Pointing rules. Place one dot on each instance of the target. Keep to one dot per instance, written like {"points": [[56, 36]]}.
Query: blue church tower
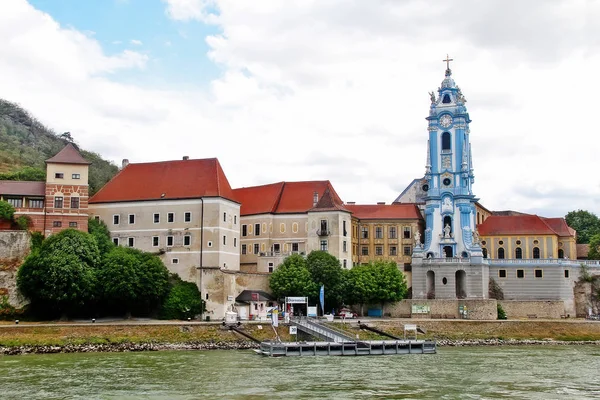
{"points": [[451, 243], [450, 202]]}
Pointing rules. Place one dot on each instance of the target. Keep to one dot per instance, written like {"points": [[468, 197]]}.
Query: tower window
{"points": [[446, 99], [446, 141]]}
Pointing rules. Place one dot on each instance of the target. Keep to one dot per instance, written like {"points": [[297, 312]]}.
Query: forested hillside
{"points": [[25, 144]]}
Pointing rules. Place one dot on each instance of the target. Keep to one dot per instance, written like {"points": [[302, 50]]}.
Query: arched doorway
{"points": [[430, 283], [461, 284], [448, 251]]}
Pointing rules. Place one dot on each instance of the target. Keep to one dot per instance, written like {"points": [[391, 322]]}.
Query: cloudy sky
{"points": [[320, 89]]}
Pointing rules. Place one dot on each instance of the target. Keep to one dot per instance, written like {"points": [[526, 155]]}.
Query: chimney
{"points": [[124, 163], [351, 203], [185, 158], [315, 198], [380, 203]]}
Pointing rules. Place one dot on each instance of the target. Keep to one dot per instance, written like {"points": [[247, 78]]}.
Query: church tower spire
{"points": [[450, 202]]}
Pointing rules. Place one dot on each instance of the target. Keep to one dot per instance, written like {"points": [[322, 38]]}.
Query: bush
{"points": [[501, 313], [7, 211], [7, 310], [36, 240], [23, 222], [183, 301]]}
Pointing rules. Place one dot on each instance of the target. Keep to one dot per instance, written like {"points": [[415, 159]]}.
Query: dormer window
{"points": [[59, 175], [446, 99]]}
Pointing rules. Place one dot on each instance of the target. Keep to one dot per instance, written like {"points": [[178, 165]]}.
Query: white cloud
{"points": [[136, 42], [308, 86]]}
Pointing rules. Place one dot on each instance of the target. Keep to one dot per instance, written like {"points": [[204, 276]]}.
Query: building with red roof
{"points": [[527, 236], [284, 218], [184, 210], [60, 202]]}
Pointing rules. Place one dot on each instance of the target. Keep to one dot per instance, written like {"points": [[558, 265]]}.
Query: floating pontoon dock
{"points": [[361, 348], [338, 343]]}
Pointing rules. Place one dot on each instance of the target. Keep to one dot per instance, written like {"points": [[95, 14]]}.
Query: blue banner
{"points": [[322, 298]]}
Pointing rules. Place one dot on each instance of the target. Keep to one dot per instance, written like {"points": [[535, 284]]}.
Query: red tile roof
{"points": [[282, 197], [68, 155], [559, 225], [22, 188], [525, 224], [327, 202], [167, 180], [385, 211]]}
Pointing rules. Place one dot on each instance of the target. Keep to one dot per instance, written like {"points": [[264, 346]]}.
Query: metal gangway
{"points": [[314, 328]]}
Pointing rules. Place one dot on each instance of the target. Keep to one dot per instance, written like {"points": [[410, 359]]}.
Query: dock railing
{"points": [[313, 327]]}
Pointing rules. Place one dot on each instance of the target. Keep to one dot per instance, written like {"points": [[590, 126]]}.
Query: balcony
{"points": [[323, 232]]}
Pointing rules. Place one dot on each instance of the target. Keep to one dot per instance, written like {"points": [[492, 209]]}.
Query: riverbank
{"points": [[132, 336]]}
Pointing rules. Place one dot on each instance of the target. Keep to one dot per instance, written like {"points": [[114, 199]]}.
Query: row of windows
{"points": [[170, 241], [61, 175], [519, 253], [393, 250], [131, 218], [520, 273], [392, 232], [249, 229], [17, 202], [58, 224], [275, 248], [59, 202]]}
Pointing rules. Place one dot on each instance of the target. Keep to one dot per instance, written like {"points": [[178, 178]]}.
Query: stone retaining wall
{"points": [[14, 247], [447, 309], [534, 309]]}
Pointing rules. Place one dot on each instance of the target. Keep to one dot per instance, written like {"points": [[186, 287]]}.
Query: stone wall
{"points": [[449, 309], [14, 247], [535, 309]]}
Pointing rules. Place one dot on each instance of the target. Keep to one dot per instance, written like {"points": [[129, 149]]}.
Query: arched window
{"points": [[484, 251], [561, 253], [518, 253], [500, 253], [536, 252], [446, 141], [446, 99]]}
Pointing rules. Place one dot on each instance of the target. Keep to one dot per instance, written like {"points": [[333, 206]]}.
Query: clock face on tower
{"points": [[445, 120]]}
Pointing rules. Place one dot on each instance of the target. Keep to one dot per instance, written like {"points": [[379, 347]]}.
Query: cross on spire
{"points": [[447, 61]]}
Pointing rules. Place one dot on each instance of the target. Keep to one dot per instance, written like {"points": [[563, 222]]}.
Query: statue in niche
{"points": [[447, 230], [475, 237], [417, 239], [432, 97]]}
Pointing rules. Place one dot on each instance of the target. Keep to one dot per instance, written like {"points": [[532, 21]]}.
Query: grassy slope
{"points": [[25, 142], [11, 335]]}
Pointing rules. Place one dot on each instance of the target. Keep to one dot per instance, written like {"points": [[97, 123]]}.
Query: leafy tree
{"points": [[101, 234], [594, 253], [23, 222], [132, 280], [377, 282], [586, 224], [25, 174], [292, 278], [7, 211], [326, 269], [60, 276], [360, 287], [389, 281], [183, 301]]}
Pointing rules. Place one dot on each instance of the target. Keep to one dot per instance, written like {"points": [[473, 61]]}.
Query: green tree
{"points": [[183, 301], [594, 252], [389, 282], [360, 286], [586, 224], [7, 211], [60, 276], [132, 281], [25, 174], [326, 270], [292, 278], [101, 234]]}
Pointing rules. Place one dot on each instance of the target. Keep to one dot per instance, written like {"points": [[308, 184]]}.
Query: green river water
{"points": [[532, 372]]}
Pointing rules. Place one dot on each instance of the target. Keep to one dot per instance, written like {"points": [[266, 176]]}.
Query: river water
{"points": [[527, 372]]}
